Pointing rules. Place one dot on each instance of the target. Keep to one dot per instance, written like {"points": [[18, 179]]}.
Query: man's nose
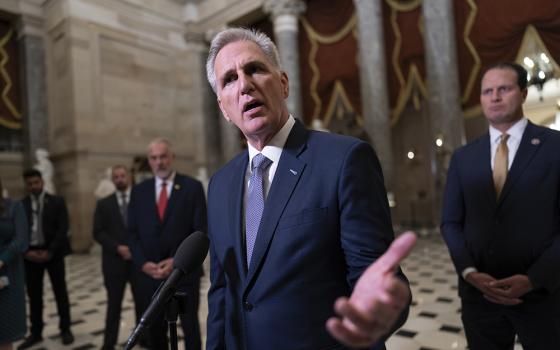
{"points": [[496, 96], [246, 83]]}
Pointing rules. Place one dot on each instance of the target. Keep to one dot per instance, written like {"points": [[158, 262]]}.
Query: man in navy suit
{"points": [[109, 229], [501, 222], [162, 212], [296, 230]]}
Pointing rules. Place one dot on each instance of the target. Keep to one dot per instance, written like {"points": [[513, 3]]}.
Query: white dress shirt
{"points": [[37, 237], [515, 133], [120, 196], [168, 186], [273, 151]]}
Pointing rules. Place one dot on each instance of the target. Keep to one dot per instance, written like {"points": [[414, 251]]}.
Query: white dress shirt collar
{"points": [[168, 185], [273, 150], [515, 131]]}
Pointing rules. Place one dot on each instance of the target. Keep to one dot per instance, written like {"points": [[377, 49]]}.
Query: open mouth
{"points": [[251, 105]]}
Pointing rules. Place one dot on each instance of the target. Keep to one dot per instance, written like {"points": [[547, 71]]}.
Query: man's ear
{"points": [[285, 84], [524, 94]]}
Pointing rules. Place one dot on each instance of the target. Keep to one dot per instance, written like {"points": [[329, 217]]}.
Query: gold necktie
{"points": [[500, 165]]}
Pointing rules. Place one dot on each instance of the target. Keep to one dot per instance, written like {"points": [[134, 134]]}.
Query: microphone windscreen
{"points": [[191, 252]]}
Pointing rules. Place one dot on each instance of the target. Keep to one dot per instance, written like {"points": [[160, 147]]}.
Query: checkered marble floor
{"points": [[434, 322]]}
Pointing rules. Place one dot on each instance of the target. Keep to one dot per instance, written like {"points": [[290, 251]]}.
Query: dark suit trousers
{"points": [[34, 274], [189, 322], [116, 273], [493, 327]]}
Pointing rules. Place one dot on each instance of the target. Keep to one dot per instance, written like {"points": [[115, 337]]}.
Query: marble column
{"points": [[33, 74], [285, 19], [373, 82], [211, 123], [446, 117]]}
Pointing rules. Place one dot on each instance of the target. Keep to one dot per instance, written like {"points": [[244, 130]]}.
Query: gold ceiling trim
{"points": [[339, 91], [316, 38], [403, 6], [413, 79], [471, 81], [3, 61]]}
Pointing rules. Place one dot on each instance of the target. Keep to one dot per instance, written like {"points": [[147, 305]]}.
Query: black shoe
{"points": [[30, 341], [67, 337], [107, 347]]}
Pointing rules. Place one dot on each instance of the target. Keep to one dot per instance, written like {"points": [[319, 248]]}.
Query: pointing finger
{"points": [[398, 250]]}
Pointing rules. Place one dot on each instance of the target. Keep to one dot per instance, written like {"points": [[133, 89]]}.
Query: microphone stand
{"points": [[176, 306]]}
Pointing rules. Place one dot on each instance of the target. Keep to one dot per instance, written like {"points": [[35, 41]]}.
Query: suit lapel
{"points": [[115, 208], [151, 200], [235, 206], [530, 142], [486, 168], [287, 175]]}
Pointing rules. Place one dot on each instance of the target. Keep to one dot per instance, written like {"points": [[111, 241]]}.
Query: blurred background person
{"points": [[13, 242], [48, 245], [163, 211], [109, 230]]}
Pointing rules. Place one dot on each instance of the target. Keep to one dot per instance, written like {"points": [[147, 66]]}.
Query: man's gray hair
{"points": [[232, 35], [161, 140]]}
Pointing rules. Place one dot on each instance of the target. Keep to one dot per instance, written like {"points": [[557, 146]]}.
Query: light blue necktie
{"points": [[255, 202]]}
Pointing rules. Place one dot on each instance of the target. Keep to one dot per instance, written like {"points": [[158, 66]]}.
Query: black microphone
{"points": [[189, 256]]}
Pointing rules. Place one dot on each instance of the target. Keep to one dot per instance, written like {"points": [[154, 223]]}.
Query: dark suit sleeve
{"points": [[61, 226], [216, 305], [453, 217], [216, 296], [133, 236], [365, 219], [101, 229]]}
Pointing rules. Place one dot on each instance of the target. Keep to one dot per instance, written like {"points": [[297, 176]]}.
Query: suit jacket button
{"points": [[247, 306]]}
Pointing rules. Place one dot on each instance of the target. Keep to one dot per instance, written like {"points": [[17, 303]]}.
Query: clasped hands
{"points": [[160, 270], [37, 255], [506, 291], [377, 301]]}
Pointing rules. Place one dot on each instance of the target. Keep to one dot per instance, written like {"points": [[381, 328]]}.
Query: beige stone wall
{"points": [[11, 168], [120, 74]]}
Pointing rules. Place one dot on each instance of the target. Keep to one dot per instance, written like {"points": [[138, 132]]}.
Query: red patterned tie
{"points": [[162, 201]]}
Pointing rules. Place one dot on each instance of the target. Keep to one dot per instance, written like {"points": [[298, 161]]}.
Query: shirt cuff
{"points": [[467, 271]]}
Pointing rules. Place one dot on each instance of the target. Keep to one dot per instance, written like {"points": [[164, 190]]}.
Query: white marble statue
{"points": [[105, 187], [45, 166]]}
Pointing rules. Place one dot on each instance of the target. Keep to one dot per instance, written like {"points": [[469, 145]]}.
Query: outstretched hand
{"points": [[377, 300]]}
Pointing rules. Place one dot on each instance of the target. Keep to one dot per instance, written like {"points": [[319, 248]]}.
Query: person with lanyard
{"points": [[48, 246]]}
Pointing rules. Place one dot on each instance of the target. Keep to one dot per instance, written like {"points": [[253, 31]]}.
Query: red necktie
{"points": [[162, 201]]}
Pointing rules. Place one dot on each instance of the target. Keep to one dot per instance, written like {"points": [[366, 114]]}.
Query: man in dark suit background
{"points": [[109, 229], [48, 245], [501, 222], [295, 230], [163, 211]]}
